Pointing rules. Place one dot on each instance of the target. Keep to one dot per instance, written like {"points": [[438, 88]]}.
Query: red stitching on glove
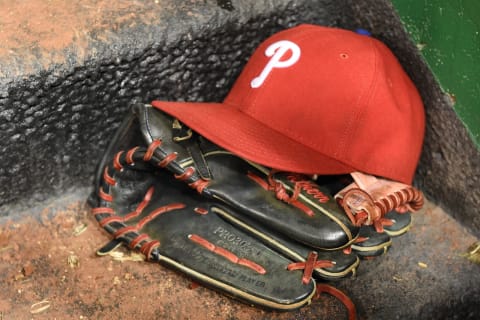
{"points": [[258, 180], [129, 156], [104, 196], [122, 231], [361, 239], [131, 215], [226, 254], [146, 200], [116, 161], [187, 173], [135, 228], [347, 302], [199, 185], [308, 186], [159, 211], [108, 179], [409, 198], [381, 223], [309, 265], [102, 210], [110, 219], [151, 149], [148, 247], [301, 206], [166, 161], [281, 193], [137, 240], [201, 211], [347, 250]]}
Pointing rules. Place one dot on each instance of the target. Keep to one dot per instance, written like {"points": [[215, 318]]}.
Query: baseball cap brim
{"points": [[246, 137]]}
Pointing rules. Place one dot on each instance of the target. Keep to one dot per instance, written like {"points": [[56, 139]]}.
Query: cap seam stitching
{"points": [[352, 125]]}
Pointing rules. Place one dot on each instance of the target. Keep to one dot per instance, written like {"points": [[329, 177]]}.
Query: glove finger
{"points": [[344, 265]]}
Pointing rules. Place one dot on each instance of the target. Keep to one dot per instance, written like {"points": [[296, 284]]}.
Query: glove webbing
{"points": [[106, 215]]}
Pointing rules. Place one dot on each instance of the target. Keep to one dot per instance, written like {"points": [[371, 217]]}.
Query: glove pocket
{"points": [[173, 225]]}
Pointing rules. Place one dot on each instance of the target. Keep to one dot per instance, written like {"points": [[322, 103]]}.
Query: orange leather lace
{"points": [[346, 301], [312, 263], [375, 210], [300, 183]]}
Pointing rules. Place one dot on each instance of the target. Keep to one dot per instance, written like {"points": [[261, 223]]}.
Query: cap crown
{"points": [[342, 94]]}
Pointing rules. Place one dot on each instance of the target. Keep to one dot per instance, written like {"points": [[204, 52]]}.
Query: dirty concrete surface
{"points": [[49, 270]]}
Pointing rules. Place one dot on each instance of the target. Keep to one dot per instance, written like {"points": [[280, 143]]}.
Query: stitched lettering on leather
{"points": [[243, 245]]}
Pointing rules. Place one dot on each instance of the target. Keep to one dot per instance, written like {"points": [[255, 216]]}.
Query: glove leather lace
{"points": [[372, 211], [299, 184], [308, 267]]}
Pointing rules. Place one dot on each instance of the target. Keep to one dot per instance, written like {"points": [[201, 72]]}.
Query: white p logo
{"points": [[276, 51]]}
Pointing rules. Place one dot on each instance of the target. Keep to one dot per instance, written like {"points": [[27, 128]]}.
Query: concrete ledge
{"points": [[66, 81]]}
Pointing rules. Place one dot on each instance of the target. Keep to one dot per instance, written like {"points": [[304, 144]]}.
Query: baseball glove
{"points": [[288, 204], [147, 209], [168, 224]]}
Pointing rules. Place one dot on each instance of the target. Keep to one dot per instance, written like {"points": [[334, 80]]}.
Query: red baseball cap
{"points": [[317, 100]]}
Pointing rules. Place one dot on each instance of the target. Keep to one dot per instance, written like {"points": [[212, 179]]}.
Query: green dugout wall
{"points": [[448, 35]]}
